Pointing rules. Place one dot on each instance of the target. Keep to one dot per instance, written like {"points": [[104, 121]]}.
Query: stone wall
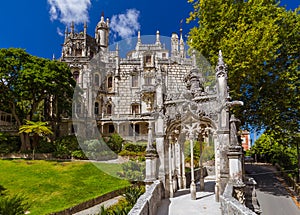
{"points": [[148, 203], [37, 156], [90, 203], [229, 205]]}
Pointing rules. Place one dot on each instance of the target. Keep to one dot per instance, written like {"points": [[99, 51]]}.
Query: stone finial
{"points": [[221, 68], [157, 37]]}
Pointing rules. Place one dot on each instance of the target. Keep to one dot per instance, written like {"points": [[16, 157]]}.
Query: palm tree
{"points": [[35, 129]]}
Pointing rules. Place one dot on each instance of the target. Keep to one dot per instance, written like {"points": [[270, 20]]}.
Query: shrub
{"points": [[115, 143], [9, 143], [97, 150], [78, 154], [123, 207], [45, 147], [133, 171], [64, 146], [12, 205], [135, 147]]}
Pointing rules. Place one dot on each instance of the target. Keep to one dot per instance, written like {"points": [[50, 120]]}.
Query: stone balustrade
{"points": [[148, 203], [230, 205]]}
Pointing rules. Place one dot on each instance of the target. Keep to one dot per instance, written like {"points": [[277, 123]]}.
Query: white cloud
{"points": [[125, 25], [67, 11], [59, 32]]}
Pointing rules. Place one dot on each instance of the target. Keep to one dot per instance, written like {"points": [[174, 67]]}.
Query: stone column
{"points": [[170, 168], [133, 131], [217, 167], [183, 169], [178, 162], [193, 185], [174, 167], [151, 158], [201, 166]]}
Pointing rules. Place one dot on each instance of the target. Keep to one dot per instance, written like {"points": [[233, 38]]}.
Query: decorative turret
{"points": [[102, 32], [139, 41], [174, 44], [157, 39], [221, 73], [181, 45]]}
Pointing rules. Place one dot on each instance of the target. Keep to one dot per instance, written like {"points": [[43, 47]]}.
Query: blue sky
{"points": [[36, 25]]}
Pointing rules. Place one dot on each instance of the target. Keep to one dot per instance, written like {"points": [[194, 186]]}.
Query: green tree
{"points": [[36, 129], [258, 39], [34, 87]]}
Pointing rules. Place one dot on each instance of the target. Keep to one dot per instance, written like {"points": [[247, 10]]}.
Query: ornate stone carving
{"points": [[233, 131], [221, 68]]}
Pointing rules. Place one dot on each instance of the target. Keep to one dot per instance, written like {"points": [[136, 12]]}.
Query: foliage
{"points": [[208, 152], [36, 129], [9, 143], [135, 147], [13, 205], [133, 171], [45, 146], [51, 186], [115, 142], [64, 146], [260, 44], [29, 83], [269, 149], [124, 205], [131, 153], [97, 150]]}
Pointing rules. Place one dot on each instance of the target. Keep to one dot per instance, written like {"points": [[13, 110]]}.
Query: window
{"points": [[78, 52], [109, 82], [135, 81], [111, 128], [76, 75], [148, 59], [109, 109], [97, 80], [148, 81], [137, 129], [96, 110], [135, 109]]}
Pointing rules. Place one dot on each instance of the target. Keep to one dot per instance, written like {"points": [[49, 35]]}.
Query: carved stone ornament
{"points": [[221, 68], [233, 131]]}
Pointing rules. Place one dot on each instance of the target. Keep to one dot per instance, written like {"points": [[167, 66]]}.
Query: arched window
{"points": [[135, 109], [96, 109], [135, 81], [109, 82], [97, 80], [76, 75], [109, 109]]}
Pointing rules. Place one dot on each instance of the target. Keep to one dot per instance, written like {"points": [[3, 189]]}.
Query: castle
{"points": [[121, 93]]}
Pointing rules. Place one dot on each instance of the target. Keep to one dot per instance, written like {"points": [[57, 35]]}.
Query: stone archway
{"points": [[189, 128]]}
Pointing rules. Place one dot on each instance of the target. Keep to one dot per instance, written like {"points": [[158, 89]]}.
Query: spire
{"points": [[221, 68], [85, 28], [66, 33], [157, 38], [139, 41], [181, 43], [220, 58], [72, 27]]}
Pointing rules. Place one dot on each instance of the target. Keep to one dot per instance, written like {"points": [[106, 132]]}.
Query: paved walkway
{"points": [[182, 204], [96, 209]]}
